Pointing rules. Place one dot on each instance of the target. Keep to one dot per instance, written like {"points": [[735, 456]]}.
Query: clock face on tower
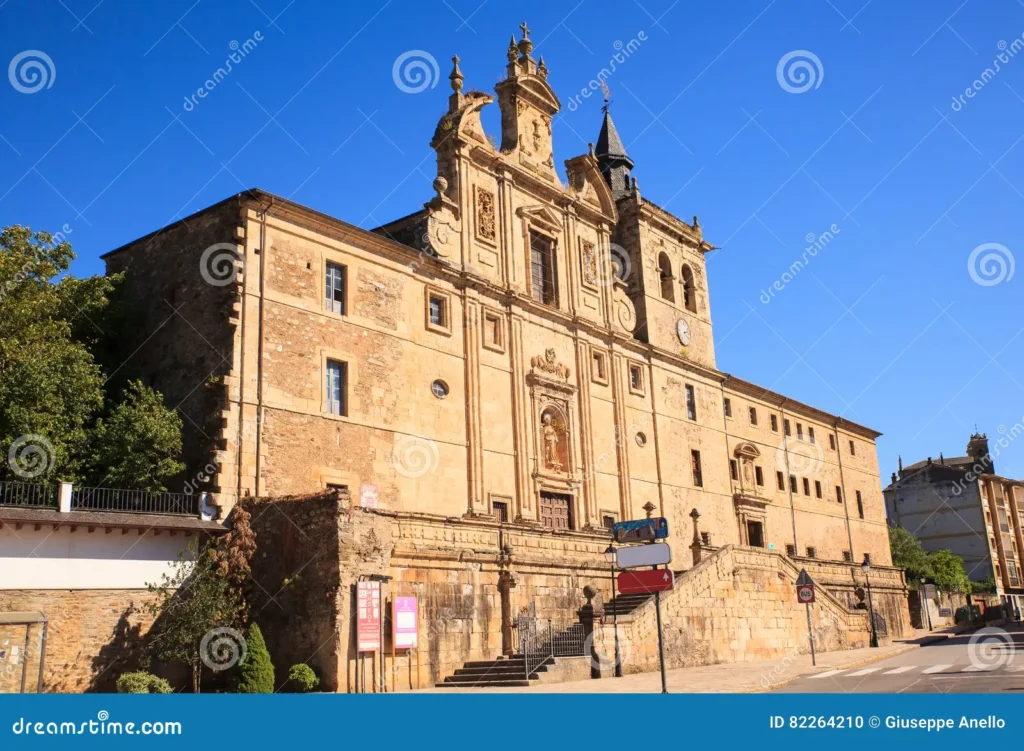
{"points": [[683, 332]]}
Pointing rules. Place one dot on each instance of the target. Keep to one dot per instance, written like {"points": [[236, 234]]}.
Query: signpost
{"points": [[405, 623], [640, 530], [368, 621], [646, 582], [652, 554], [805, 594]]}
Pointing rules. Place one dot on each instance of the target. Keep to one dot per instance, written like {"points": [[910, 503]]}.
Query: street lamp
{"points": [[609, 555], [924, 604], [871, 605]]}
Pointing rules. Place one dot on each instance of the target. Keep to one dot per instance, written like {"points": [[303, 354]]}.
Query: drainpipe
{"points": [[842, 484], [259, 346], [789, 485]]}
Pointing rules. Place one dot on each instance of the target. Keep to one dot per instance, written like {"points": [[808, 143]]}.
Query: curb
{"points": [[847, 666]]}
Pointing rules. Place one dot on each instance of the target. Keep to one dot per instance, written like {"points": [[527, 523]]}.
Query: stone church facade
{"points": [[522, 354]]}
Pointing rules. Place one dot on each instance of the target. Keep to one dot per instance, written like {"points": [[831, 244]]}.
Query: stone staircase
{"points": [[624, 605], [506, 671]]}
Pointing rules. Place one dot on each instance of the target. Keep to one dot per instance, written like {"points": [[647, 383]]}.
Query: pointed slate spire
{"points": [[612, 159]]}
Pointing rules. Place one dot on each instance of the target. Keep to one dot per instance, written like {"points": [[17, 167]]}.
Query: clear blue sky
{"points": [[885, 325]]}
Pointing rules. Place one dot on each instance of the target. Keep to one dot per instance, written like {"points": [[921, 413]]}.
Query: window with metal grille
{"points": [[334, 387], [860, 505], [334, 288], [812, 552], [608, 521], [848, 556], [542, 269], [500, 509], [691, 403], [790, 550], [698, 475]]}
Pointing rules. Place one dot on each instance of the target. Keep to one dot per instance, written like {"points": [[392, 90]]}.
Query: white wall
{"points": [[62, 559]]}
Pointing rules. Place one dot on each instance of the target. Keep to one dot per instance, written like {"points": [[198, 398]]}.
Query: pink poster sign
{"points": [[406, 622], [368, 616]]}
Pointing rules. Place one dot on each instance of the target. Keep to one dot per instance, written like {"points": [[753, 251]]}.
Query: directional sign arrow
{"points": [[646, 581]]}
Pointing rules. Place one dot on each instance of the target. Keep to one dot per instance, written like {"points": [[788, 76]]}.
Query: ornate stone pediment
{"points": [[542, 216], [548, 364]]}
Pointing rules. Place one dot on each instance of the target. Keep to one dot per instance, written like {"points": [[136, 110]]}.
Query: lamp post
{"points": [[609, 555], [924, 604], [871, 605]]}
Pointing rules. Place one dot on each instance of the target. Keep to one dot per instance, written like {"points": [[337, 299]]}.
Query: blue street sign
{"points": [[641, 530]]}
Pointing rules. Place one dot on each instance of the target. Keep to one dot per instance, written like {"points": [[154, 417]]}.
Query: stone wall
{"points": [[92, 637]]}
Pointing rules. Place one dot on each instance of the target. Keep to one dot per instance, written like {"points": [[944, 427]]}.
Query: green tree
{"points": [[191, 602], [137, 445], [949, 572], [257, 671], [302, 679], [908, 554]]}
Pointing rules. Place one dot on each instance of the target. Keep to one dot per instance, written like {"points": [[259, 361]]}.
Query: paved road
{"points": [[984, 662]]}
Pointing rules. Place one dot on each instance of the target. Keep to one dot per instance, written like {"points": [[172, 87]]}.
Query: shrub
{"points": [[302, 679], [142, 683], [257, 671], [967, 614]]}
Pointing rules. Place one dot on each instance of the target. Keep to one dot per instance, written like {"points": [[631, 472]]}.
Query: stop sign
{"points": [[805, 594]]}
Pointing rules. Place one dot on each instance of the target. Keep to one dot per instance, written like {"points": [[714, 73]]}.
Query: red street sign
{"points": [[645, 581], [805, 594], [368, 616]]}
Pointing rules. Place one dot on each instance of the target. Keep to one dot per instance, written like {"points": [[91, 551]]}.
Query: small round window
{"points": [[439, 388], [641, 439]]}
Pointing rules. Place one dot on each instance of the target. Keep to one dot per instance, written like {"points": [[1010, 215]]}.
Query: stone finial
{"points": [[542, 69], [513, 50], [695, 515], [525, 45], [649, 509], [456, 76], [440, 185]]}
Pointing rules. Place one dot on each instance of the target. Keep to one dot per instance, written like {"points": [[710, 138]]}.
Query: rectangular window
{"points": [[867, 558], [775, 423], [1011, 571], [543, 288], [780, 480], [831, 441], [812, 552], [727, 407], [438, 312], [860, 505], [807, 486], [733, 470], [792, 484], [817, 489], [799, 432], [334, 288], [839, 494], [848, 556], [691, 403], [698, 475], [753, 416], [598, 367], [334, 387], [810, 435], [500, 509], [608, 521], [791, 550], [785, 427], [636, 378], [758, 476], [853, 449]]}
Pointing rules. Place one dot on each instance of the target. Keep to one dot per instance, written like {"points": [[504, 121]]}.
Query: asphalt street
{"points": [[987, 661]]}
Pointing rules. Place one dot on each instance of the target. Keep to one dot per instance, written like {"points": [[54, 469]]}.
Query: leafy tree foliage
{"points": [[907, 553], [302, 679], [142, 683], [58, 336], [257, 671], [950, 575]]}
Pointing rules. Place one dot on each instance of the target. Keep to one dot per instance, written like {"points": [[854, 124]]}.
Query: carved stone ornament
{"points": [[485, 221], [589, 254], [549, 364]]}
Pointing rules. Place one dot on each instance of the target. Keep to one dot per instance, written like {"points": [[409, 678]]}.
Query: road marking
{"points": [[977, 669], [901, 669], [935, 669], [827, 673], [865, 671]]}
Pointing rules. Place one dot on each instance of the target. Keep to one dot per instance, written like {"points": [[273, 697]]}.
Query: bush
{"points": [[257, 671], [302, 679], [967, 614], [142, 683]]}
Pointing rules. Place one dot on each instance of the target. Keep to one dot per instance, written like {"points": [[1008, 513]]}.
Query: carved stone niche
{"points": [[552, 400], [746, 454]]}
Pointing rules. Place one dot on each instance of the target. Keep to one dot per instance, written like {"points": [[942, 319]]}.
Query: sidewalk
{"points": [[735, 677]]}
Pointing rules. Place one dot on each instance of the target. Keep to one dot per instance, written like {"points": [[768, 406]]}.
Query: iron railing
{"points": [[36, 495], [541, 639], [134, 501]]}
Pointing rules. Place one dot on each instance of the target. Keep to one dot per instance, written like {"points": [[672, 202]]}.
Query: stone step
{"points": [[496, 669], [484, 684]]}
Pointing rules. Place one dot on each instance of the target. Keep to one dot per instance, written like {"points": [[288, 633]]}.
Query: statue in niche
{"points": [[748, 471], [552, 432]]}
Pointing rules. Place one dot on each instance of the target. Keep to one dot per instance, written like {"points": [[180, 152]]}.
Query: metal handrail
{"points": [[134, 501], [28, 494]]}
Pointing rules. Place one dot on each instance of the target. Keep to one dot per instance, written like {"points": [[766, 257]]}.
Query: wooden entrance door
{"points": [[556, 510]]}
